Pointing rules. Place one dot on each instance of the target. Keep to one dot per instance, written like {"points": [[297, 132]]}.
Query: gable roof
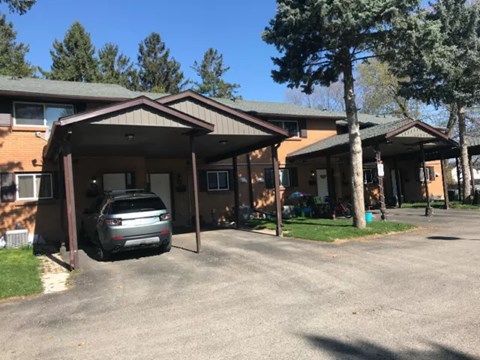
{"points": [[370, 134], [171, 99], [128, 104]]}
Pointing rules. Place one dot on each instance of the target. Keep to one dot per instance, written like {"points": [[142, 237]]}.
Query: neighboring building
{"points": [[113, 138]]}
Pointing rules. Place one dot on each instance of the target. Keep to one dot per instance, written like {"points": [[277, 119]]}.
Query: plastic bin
{"points": [[368, 217]]}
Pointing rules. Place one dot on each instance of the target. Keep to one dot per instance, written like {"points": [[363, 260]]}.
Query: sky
{"points": [[188, 28]]}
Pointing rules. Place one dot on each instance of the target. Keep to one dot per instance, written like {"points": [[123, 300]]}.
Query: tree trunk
{"points": [[356, 156], [466, 178]]}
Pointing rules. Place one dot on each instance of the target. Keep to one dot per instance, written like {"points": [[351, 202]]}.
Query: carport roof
{"points": [[370, 135]]}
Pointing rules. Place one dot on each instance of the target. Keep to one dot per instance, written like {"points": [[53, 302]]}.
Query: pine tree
{"points": [[439, 54], [116, 68], [19, 6], [12, 54], [211, 71], [73, 59], [320, 41], [157, 71]]}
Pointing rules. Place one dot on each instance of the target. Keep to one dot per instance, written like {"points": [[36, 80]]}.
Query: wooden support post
{"points": [[457, 164], [397, 183], [331, 186], [250, 185], [276, 182], [195, 193], [428, 209], [443, 163], [70, 206], [378, 158], [472, 175], [236, 193]]}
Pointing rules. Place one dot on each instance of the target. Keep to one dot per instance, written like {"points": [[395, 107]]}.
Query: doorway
{"points": [[160, 185], [322, 183]]}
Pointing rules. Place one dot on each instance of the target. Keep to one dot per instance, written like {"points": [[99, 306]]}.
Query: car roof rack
{"points": [[125, 191]]}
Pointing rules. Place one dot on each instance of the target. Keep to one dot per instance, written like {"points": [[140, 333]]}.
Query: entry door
{"points": [[393, 176], [322, 183], [160, 185]]}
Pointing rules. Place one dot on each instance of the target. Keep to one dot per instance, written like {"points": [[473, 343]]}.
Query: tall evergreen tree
{"points": [[157, 71], [116, 68], [20, 6], [439, 53], [73, 59], [211, 71], [12, 54], [321, 41]]}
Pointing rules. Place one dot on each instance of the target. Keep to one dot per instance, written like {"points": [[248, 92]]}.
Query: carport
{"points": [[185, 128], [408, 141]]}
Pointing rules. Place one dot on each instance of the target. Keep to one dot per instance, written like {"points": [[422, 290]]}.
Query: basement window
{"points": [[34, 186], [39, 114]]}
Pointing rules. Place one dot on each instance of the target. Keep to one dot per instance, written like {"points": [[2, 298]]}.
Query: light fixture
{"points": [[223, 142], [94, 180], [312, 173], [129, 137]]}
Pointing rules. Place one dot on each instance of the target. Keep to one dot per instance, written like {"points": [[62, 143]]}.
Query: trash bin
{"points": [[476, 198], [368, 217]]}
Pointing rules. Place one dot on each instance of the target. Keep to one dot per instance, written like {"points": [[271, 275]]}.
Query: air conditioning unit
{"points": [[16, 238]]}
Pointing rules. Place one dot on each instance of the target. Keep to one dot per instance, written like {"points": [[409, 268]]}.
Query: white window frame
{"points": [[282, 122], [44, 111], [218, 172], [34, 186]]}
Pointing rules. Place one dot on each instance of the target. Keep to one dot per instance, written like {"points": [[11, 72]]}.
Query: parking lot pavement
{"points": [[253, 296]]}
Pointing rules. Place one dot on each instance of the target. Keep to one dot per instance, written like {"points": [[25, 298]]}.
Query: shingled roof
{"points": [[112, 92]]}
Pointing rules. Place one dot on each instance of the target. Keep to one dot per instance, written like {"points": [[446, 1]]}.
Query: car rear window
{"points": [[136, 205]]}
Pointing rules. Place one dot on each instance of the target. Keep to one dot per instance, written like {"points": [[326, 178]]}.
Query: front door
{"points": [[160, 185], [395, 181], [322, 183]]}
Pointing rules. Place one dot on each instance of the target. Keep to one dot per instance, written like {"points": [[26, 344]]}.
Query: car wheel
{"points": [[165, 247], [103, 255]]}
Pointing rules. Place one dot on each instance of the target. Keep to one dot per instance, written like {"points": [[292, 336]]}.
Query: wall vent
{"points": [[16, 238]]}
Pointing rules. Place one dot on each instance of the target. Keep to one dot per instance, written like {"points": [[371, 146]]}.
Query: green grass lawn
{"points": [[329, 230], [19, 273], [441, 204]]}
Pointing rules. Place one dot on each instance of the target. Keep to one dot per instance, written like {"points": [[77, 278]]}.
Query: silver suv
{"points": [[127, 220]]}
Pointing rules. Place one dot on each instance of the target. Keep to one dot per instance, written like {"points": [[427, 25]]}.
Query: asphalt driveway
{"points": [[252, 296]]}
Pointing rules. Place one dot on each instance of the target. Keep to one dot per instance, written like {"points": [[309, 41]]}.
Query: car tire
{"points": [[164, 248], [103, 255]]}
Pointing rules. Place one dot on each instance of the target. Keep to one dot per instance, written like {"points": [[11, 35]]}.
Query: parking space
{"points": [[414, 295]]}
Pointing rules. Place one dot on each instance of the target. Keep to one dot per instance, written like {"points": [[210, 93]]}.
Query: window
{"points": [[36, 114], [217, 180], [367, 176], [284, 178], [34, 186], [430, 174], [290, 125]]}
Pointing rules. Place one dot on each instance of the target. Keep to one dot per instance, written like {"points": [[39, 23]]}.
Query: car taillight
{"points": [[113, 222], [165, 217]]}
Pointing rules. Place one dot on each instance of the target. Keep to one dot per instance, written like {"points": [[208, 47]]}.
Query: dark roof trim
{"points": [[245, 150], [219, 106], [427, 128], [62, 97], [142, 100]]}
